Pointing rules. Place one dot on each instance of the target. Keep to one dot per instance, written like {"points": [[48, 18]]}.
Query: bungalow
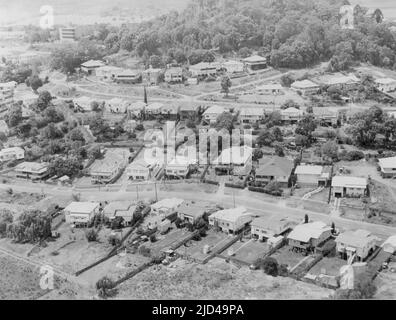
{"points": [[274, 168], [306, 87], [177, 169], [111, 209], [232, 66], [4, 128], [309, 235], [188, 111], [311, 175], [116, 105], [81, 213], [271, 88], [174, 75], [151, 76], [203, 69], [255, 63], [264, 229], [166, 207], [83, 104], [291, 114], [128, 76], [251, 115], [388, 167], [31, 170], [341, 81], [138, 170], [107, 73], [325, 115], [126, 215], [91, 66], [212, 113], [386, 84], [346, 186], [154, 109], [15, 153], [136, 109], [234, 158], [106, 170], [358, 243], [192, 211], [231, 221]]}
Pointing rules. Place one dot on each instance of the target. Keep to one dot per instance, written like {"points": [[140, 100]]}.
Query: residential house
{"points": [[177, 168], [89, 67], [386, 84], [170, 111], [341, 81], [325, 115], [4, 128], [291, 114], [312, 175], [107, 73], [274, 169], [117, 105], [174, 75], [111, 209], [129, 76], [126, 215], [152, 221], [264, 228], [166, 207], [15, 153], [251, 115], [81, 213], [231, 221], [357, 243], [7, 93], [388, 167], [136, 109], [192, 81], [306, 87], [347, 186], [255, 63], [232, 66], [106, 170], [237, 158], [138, 170], [188, 111], [32, 170], [84, 104], [212, 113], [28, 57], [192, 211], [307, 236], [154, 109], [271, 88], [151, 76], [204, 69]]}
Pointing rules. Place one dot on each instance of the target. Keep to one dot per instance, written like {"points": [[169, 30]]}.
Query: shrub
{"points": [[269, 265], [91, 235], [105, 287], [114, 240]]}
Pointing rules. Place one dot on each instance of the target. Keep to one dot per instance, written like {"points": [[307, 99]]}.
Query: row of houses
{"points": [[172, 74], [341, 81]]}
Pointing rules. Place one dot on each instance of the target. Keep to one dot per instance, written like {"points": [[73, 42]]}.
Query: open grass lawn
{"points": [[328, 266], [248, 251], [286, 256]]}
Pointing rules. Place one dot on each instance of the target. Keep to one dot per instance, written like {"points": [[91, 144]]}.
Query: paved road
{"points": [[247, 199]]}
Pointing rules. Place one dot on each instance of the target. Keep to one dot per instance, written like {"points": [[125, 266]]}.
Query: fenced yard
{"points": [[285, 255], [247, 251]]}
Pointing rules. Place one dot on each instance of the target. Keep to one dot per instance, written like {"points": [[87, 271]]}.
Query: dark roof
{"points": [[274, 166]]}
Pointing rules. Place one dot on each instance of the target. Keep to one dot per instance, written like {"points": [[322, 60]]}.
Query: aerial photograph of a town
{"points": [[197, 150]]}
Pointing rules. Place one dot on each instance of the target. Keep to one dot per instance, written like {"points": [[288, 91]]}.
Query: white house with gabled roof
{"points": [[254, 63], [309, 235], [347, 186], [81, 213], [385, 84], [310, 175], [388, 167], [166, 207], [14, 153], [306, 87], [212, 113]]}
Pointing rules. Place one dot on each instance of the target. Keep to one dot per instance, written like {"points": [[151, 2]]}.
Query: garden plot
{"points": [[195, 249], [286, 256], [247, 251]]}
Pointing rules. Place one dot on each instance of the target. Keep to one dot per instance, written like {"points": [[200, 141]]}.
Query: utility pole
{"points": [[137, 192], [156, 195]]}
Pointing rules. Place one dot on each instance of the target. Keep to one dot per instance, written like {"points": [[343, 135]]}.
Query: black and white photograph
{"points": [[197, 150]]}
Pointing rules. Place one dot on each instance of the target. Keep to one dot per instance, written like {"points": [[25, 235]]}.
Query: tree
{"points": [[333, 229], [306, 218], [378, 15], [105, 287], [76, 135], [91, 235], [330, 149], [51, 132], [225, 121], [270, 266], [53, 115], [290, 104], [226, 85], [14, 115], [95, 107], [34, 82], [156, 61], [306, 127], [60, 167], [43, 101], [257, 154]]}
